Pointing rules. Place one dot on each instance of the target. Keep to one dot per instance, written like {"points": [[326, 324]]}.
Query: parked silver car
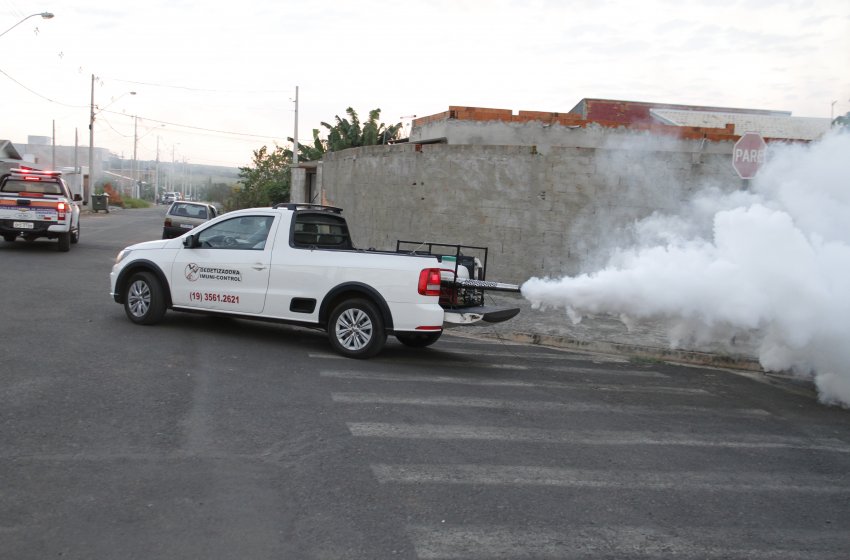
{"points": [[183, 216]]}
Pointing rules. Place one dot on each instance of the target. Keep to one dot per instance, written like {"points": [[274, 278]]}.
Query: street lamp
{"points": [[87, 191], [45, 15], [136, 138]]}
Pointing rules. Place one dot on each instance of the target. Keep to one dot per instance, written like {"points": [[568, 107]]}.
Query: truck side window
{"points": [[320, 231], [245, 233]]}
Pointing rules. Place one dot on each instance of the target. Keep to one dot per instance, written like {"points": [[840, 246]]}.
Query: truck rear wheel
{"points": [[356, 329], [64, 242], [144, 300], [9, 237], [418, 340]]}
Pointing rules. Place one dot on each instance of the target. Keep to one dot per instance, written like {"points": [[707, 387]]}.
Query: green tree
{"points": [[268, 181], [349, 133], [218, 192]]}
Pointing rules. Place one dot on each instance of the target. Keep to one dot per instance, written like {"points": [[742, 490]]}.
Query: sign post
{"points": [[748, 155]]}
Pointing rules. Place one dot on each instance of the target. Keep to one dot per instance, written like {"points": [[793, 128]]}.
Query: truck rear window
{"points": [[321, 231], [43, 187]]}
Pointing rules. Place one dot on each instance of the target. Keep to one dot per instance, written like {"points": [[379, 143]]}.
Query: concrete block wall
{"points": [[541, 214]]}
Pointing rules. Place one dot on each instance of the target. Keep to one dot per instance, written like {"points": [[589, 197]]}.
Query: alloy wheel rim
{"points": [[139, 298], [354, 329]]}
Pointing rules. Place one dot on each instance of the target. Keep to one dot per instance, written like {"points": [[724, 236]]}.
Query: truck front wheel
{"points": [[144, 300], [356, 329]]}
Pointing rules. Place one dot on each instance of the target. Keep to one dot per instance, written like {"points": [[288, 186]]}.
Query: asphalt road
{"points": [[223, 439]]}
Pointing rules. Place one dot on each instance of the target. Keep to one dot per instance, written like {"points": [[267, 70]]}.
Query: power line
{"points": [[188, 88], [29, 89], [230, 132]]}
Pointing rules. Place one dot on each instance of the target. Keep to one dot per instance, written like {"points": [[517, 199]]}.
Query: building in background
{"points": [[550, 193], [139, 179], [10, 158]]}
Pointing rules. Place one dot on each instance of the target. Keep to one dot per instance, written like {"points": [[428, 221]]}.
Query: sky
{"points": [[216, 80]]}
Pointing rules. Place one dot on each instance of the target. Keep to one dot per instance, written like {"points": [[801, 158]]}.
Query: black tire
{"points": [[75, 236], [144, 300], [356, 329], [64, 242], [418, 340], [9, 238]]}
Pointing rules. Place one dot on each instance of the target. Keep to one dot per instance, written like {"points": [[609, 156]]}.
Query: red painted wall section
{"points": [[602, 112]]}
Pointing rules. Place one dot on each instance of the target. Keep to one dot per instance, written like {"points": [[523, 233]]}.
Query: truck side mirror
{"points": [[190, 241], [78, 198]]}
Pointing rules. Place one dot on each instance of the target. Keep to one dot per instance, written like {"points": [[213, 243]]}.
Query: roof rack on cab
{"points": [[304, 206]]}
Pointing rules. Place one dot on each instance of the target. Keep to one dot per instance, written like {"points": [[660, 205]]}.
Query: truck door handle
{"points": [[259, 266]]}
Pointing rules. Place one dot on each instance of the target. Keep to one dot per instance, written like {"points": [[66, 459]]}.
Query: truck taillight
{"points": [[429, 282], [61, 211]]}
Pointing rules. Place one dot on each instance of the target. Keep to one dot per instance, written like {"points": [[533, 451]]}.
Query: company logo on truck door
{"points": [[193, 272]]}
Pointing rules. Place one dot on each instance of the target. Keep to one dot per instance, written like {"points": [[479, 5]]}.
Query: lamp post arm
{"points": [[45, 15]]}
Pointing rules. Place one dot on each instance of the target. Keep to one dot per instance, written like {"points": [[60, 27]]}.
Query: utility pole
{"points": [[77, 170], [156, 174], [87, 189], [171, 182], [53, 148], [136, 189], [295, 137]]}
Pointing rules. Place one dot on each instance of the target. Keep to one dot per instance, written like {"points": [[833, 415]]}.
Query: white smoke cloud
{"points": [[772, 262]]}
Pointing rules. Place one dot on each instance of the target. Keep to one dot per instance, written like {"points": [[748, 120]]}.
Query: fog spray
{"points": [[772, 262]]}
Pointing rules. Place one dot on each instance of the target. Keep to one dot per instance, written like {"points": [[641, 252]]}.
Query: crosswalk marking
{"points": [[462, 363], [485, 382], [444, 364], [553, 355], [585, 390], [592, 437], [509, 475], [584, 542], [473, 402]]}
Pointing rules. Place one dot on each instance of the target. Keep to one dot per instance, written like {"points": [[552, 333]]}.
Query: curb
{"points": [[739, 365], [635, 350]]}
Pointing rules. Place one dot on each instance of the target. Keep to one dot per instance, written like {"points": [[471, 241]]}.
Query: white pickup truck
{"points": [[296, 263], [37, 204]]}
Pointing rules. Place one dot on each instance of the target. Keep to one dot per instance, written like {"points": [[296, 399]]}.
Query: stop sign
{"points": [[748, 155]]}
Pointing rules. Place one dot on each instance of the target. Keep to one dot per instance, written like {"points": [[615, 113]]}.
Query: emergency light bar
{"points": [[33, 174]]}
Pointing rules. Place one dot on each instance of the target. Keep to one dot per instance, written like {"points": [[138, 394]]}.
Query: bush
{"points": [[114, 197], [135, 203]]}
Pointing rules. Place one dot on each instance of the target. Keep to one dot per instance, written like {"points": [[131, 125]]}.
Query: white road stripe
{"points": [[591, 437], [471, 402], [593, 358], [441, 363], [484, 382], [576, 542], [555, 355], [502, 475], [534, 365], [599, 372]]}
